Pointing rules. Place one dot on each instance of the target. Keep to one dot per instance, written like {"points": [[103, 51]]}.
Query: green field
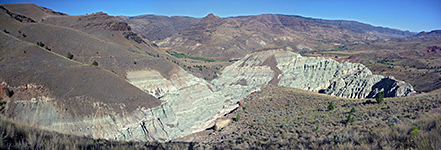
{"points": [[182, 55]]}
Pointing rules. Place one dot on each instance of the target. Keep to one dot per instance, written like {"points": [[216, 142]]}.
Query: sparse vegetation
{"points": [[357, 125], [47, 48], [330, 106], [9, 92], [182, 55], [237, 118], [352, 110], [15, 136], [94, 63], [350, 118], [380, 97], [271, 118], [69, 55], [41, 44]]}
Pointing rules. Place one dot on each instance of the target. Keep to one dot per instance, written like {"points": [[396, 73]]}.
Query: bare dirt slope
{"points": [[36, 42], [95, 37], [23, 63]]}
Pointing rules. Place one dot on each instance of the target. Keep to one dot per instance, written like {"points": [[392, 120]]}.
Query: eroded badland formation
{"points": [[157, 78]]}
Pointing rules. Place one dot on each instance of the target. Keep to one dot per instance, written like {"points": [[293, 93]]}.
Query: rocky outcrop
{"points": [[285, 68], [134, 37], [17, 17], [221, 123], [190, 104]]}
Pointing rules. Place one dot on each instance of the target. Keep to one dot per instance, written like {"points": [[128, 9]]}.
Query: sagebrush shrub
{"points": [[380, 98], [331, 106]]}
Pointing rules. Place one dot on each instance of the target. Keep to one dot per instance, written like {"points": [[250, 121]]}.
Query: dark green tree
{"points": [[331, 106], [237, 118], [352, 110], [95, 63], [8, 92], [69, 55], [380, 97], [350, 119]]}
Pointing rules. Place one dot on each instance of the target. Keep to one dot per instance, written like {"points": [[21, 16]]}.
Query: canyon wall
{"points": [[190, 104]]}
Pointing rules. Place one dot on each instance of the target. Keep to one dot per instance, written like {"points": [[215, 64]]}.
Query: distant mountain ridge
{"points": [[155, 27], [93, 75], [233, 37]]}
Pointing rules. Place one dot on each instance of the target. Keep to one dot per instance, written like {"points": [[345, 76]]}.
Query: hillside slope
{"points": [[280, 118], [96, 37], [115, 95], [156, 28], [233, 37]]}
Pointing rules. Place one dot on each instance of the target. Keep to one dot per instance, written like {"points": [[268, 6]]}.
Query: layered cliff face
{"points": [[285, 68], [114, 100], [190, 104]]}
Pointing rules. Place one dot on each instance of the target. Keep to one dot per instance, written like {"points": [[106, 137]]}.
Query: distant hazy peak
{"points": [[212, 16]]}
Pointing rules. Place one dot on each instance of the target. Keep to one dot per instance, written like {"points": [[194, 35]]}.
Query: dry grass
{"points": [[15, 136], [281, 118], [286, 118]]}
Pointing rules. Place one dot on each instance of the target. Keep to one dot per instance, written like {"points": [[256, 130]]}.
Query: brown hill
{"points": [[96, 37], [32, 11], [24, 64], [156, 28], [233, 37], [35, 45]]}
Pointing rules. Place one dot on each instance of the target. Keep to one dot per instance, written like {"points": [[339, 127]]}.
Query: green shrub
{"points": [[8, 92], [134, 62], [380, 98], [41, 44], [350, 118], [237, 118], [331, 106], [6, 31], [415, 130], [352, 110], [47, 48], [69, 55], [95, 63]]}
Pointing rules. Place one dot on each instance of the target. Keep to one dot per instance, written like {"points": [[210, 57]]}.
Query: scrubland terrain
{"points": [[250, 82], [283, 118]]}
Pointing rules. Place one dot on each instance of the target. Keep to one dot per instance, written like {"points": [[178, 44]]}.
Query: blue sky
{"points": [[412, 15]]}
